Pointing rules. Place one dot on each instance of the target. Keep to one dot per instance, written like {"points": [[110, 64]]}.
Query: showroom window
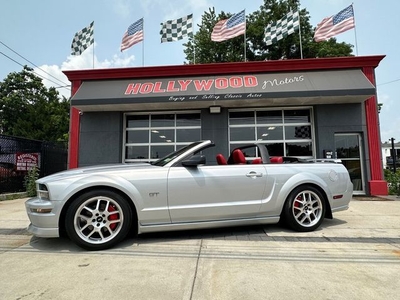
{"points": [[149, 137], [285, 132]]}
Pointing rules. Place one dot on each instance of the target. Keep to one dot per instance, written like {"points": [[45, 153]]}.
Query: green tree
{"points": [[29, 109], [200, 48]]}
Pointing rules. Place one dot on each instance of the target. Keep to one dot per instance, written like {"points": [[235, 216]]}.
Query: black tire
{"points": [[304, 209], [98, 220]]}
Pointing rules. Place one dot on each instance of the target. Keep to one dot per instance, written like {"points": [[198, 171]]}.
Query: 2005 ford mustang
{"points": [[98, 206]]}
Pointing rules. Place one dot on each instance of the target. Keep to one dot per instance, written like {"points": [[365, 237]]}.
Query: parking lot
{"points": [[354, 256]]}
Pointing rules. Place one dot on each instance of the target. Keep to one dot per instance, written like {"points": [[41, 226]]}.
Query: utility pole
{"points": [[393, 155]]}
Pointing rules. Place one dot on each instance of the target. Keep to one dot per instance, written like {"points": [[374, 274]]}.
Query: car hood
{"points": [[99, 169]]}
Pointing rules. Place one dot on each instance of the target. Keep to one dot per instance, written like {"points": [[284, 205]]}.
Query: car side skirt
{"points": [[207, 224]]}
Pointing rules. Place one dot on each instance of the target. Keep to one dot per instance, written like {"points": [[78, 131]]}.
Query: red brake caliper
{"points": [[112, 217], [297, 204]]}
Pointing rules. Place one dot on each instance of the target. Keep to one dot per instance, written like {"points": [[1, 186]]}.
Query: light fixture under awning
{"points": [[295, 88]]}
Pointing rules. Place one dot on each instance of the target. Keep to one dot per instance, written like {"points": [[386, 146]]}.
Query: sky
{"points": [[39, 34]]}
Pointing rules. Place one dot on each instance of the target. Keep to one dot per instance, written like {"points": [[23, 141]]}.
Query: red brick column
{"points": [[74, 122], [377, 184]]}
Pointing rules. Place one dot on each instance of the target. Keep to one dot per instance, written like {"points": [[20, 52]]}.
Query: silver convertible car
{"points": [[98, 206]]}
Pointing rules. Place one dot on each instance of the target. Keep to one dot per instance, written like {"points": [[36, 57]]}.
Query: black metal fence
{"points": [[18, 155]]}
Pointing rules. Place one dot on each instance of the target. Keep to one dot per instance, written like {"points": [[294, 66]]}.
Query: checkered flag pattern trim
{"points": [[302, 132], [282, 28], [82, 40], [174, 30]]}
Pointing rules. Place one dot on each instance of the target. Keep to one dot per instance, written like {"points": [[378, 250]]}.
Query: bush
{"points": [[30, 181], [393, 180]]}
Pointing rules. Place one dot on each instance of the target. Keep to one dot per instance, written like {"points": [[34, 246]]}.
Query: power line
{"points": [[32, 63], [389, 82], [58, 85]]}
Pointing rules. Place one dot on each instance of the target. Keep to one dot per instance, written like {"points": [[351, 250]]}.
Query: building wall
{"points": [[345, 118], [334, 118], [215, 127], [100, 140]]}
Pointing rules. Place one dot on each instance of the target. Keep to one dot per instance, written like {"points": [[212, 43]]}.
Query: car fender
{"points": [[297, 180], [98, 180]]}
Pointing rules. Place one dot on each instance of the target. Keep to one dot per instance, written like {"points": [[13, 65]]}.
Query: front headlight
{"points": [[42, 192]]}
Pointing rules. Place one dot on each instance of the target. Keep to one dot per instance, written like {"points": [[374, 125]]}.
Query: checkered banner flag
{"points": [[282, 28], [174, 30], [82, 40], [302, 132]]}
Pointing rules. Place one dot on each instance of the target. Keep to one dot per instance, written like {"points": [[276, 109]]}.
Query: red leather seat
{"points": [[221, 159], [238, 157], [257, 161], [276, 160]]}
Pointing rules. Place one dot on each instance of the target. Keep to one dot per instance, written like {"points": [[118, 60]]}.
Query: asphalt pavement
{"points": [[354, 256]]}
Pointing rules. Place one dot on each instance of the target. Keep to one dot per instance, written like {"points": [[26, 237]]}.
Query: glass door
{"points": [[348, 149]]}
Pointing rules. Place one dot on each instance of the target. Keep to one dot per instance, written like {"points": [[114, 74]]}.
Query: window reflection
{"points": [[275, 149], [137, 152], [269, 133], [137, 136], [137, 121], [241, 118], [297, 116], [297, 132], [242, 134], [269, 117], [285, 132], [299, 149], [151, 136]]}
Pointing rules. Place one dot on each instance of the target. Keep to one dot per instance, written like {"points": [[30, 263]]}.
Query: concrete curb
{"points": [[13, 196]]}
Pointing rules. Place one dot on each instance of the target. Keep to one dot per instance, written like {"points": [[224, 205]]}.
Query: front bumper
{"points": [[44, 216]]}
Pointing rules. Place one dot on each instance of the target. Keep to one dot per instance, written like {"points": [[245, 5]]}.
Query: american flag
{"points": [[133, 35], [229, 28], [331, 26]]}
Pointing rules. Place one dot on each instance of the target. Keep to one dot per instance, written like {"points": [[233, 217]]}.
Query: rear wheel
{"points": [[304, 209], [98, 220]]}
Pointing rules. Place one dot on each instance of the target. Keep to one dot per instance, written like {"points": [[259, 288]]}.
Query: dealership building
{"points": [[306, 108]]}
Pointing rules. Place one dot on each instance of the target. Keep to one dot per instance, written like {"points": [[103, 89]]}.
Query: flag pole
{"points": [[245, 25], [355, 28], [93, 53], [143, 45], [93, 44], [194, 46], [301, 46]]}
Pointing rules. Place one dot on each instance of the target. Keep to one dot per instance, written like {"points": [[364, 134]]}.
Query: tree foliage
{"points": [[28, 109], [200, 48]]}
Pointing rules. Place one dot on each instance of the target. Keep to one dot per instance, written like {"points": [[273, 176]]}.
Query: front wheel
{"points": [[98, 220], [304, 209]]}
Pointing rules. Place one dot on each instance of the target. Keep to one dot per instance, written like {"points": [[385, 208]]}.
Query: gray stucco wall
{"points": [[215, 127], [337, 118], [343, 118], [100, 140]]}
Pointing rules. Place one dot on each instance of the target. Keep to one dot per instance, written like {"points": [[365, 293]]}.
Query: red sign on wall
{"points": [[26, 161]]}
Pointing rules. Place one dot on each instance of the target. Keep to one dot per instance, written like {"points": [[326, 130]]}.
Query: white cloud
{"points": [[121, 7], [84, 61], [174, 9]]}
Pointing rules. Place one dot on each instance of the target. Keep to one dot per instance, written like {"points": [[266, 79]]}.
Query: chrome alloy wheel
{"points": [[98, 220], [307, 208]]}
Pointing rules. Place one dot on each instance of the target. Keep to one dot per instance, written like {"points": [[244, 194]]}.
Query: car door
{"points": [[207, 193]]}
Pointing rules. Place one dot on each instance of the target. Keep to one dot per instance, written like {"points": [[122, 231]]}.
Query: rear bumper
{"points": [[343, 203]]}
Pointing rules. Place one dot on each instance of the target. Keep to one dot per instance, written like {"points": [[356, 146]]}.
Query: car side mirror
{"points": [[194, 161]]}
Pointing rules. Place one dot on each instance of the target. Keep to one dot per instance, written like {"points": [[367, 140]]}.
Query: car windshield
{"points": [[166, 159]]}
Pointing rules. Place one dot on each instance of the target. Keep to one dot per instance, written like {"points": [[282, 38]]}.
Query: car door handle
{"points": [[253, 174]]}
